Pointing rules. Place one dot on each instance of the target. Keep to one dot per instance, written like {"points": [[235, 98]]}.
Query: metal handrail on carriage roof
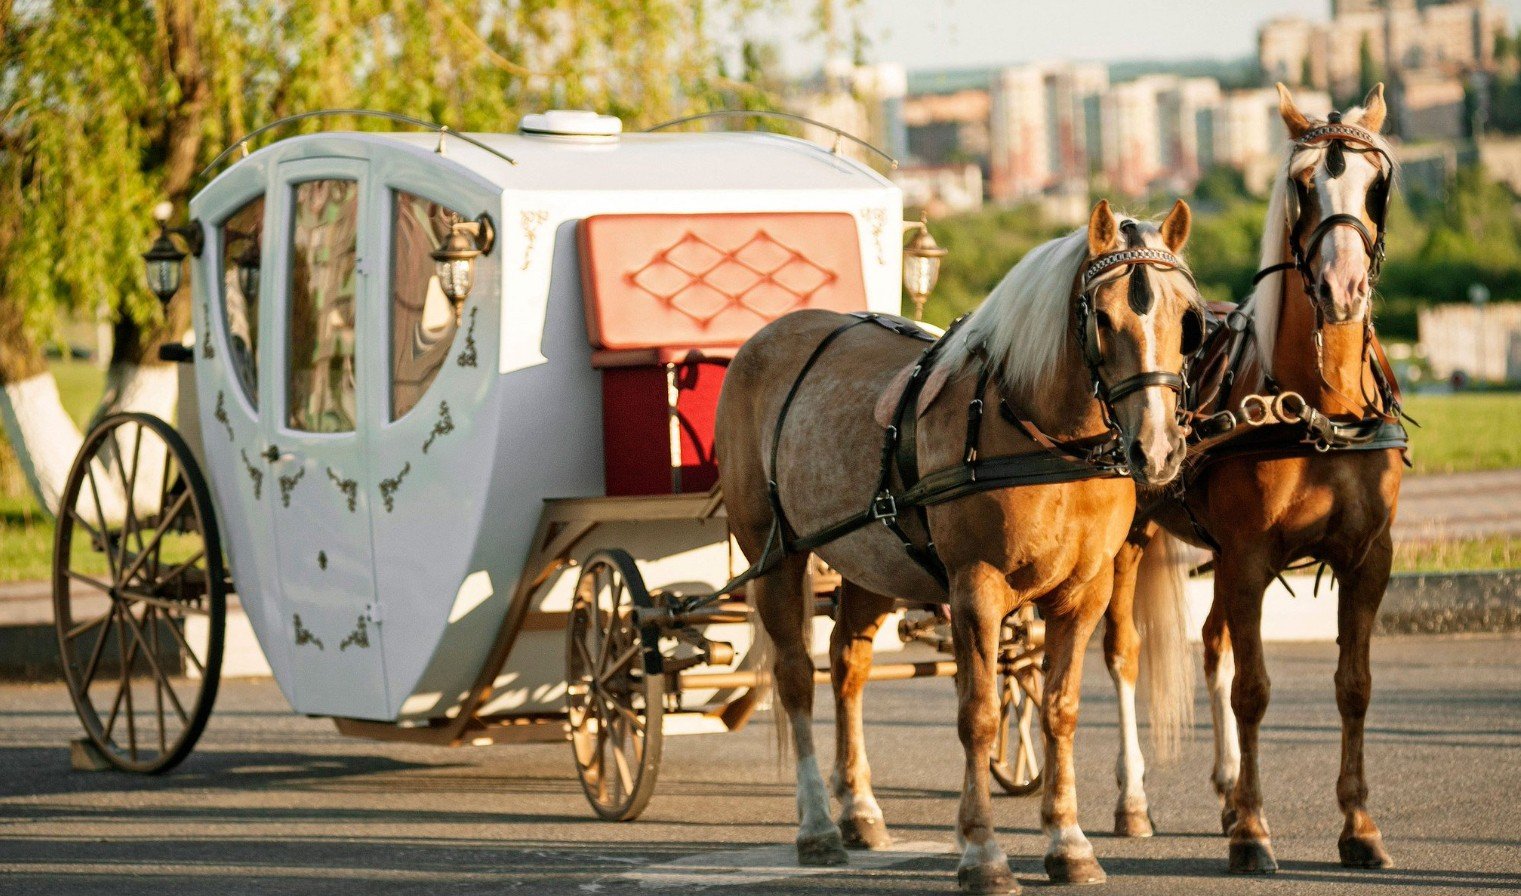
{"points": [[788, 116], [442, 130]]}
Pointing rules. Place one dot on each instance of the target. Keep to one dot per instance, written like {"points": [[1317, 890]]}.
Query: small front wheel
{"points": [[1015, 762], [614, 704]]}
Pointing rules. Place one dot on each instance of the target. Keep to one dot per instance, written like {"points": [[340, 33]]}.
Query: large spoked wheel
{"points": [[615, 706], [1016, 759], [139, 593]]}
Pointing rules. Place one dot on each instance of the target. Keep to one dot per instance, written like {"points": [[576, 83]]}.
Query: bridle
{"points": [[1338, 138], [1090, 340]]}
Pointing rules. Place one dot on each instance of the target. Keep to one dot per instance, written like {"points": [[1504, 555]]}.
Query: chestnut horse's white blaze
{"points": [[1052, 541]]}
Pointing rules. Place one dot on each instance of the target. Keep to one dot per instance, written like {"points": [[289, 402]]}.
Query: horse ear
{"points": [[1103, 229], [1374, 110], [1293, 119], [1175, 227]]}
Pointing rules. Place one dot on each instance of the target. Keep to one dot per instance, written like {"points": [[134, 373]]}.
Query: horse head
{"points": [[1138, 319]]}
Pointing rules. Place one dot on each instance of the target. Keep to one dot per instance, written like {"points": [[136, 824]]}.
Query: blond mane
{"points": [[1024, 323]]}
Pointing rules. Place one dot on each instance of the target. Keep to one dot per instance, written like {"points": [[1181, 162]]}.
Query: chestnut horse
{"points": [[1324, 487], [798, 439]]}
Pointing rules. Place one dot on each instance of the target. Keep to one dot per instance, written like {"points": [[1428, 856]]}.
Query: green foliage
{"points": [[111, 105], [1465, 431]]}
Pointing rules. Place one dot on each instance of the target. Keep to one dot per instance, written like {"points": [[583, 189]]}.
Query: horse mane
{"points": [[1267, 299], [1025, 322]]}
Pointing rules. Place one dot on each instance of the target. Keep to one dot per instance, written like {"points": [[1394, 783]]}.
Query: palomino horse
{"points": [[1322, 482], [1106, 311]]}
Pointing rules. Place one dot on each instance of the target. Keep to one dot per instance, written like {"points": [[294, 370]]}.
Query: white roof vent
{"points": [[571, 123]]}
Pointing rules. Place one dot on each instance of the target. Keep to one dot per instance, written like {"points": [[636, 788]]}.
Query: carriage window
{"points": [[320, 346], [242, 236], [422, 321]]}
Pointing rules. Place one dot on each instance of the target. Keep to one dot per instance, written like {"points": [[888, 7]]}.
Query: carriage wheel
{"points": [[139, 593], [615, 706], [1015, 762]]}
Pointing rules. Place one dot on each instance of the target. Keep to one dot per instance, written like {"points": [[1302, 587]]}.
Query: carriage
{"points": [[446, 436]]}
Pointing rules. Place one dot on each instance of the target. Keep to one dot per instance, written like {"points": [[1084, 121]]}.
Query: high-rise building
{"points": [[1019, 159]]}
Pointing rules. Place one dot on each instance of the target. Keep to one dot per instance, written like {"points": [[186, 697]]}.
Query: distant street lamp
{"points": [[1478, 294], [921, 264]]}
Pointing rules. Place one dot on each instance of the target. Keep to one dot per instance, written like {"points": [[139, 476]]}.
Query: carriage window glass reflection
{"points": [[422, 320], [320, 348], [242, 237]]}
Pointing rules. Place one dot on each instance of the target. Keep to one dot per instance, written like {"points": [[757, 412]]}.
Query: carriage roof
{"points": [[743, 161]]}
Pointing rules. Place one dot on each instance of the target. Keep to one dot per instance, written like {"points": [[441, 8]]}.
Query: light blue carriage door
{"points": [[430, 450], [320, 481]]}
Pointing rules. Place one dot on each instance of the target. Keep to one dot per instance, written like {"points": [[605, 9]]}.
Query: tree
{"points": [[112, 105]]}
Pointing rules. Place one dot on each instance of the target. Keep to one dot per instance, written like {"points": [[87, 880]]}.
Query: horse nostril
{"points": [[1325, 290], [1137, 456]]}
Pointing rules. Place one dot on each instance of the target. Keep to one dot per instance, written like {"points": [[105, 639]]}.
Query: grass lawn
{"points": [[1466, 431]]}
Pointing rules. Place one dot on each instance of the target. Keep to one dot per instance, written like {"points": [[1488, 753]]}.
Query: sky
{"points": [[937, 34]]}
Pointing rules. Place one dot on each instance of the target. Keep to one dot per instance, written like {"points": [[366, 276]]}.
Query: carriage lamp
{"points": [[455, 259], [165, 257], [921, 264]]}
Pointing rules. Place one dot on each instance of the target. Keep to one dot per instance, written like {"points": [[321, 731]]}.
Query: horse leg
{"points": [[980, 598], [786, 610], [1122, 652], [1069, 855], [1240, 580], [1219, 673], [860, 614], [1362, 590]]}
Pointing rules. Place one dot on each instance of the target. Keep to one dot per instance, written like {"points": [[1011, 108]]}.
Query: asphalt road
{"points": [[273, 803]]}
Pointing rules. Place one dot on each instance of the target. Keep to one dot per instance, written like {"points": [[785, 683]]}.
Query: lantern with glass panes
{"points": [[454, 261], [921, 264], [165, 258]]}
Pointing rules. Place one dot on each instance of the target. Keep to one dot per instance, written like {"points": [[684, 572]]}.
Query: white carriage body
{"points": [[377, 565]]}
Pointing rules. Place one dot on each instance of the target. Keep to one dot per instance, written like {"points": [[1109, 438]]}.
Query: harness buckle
{"points": [[884, 507]]}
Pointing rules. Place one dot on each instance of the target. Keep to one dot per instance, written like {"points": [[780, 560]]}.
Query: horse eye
{"points": [[1103, 319]]}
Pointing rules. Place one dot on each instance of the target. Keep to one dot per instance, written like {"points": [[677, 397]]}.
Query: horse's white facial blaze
{"points": [[1227, 742], [1131, 769], [1342, 263], [1156, 435]]}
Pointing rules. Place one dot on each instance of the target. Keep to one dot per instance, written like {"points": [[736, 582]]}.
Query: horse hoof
{"points": [[1083, 870], [1252, 857], [822, 850], [1134, 823], [1366, 851], [1227, 820], [991, 879], [865, 832]]}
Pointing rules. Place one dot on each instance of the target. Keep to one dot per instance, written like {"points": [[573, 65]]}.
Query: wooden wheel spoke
{"points": [[129, 489], [99, 649], [625, 776], [128, 654], [169, 516], [139, 597], [189, 652], [92, 582], [180, 569], [100, 514], [623, 660], [141, 640], [83, 627]]}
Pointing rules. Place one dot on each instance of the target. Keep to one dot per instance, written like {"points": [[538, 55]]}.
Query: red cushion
{"points": [[636, 435], [712, 280]]}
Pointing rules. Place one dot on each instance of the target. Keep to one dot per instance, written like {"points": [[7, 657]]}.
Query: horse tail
{"points": [[1167, 661]]}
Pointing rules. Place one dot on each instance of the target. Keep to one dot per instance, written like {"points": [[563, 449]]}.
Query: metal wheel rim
{"points": [[613, 707], [162, 618]]}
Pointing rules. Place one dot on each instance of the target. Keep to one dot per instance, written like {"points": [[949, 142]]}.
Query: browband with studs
{"points": [[1111, 260]]}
